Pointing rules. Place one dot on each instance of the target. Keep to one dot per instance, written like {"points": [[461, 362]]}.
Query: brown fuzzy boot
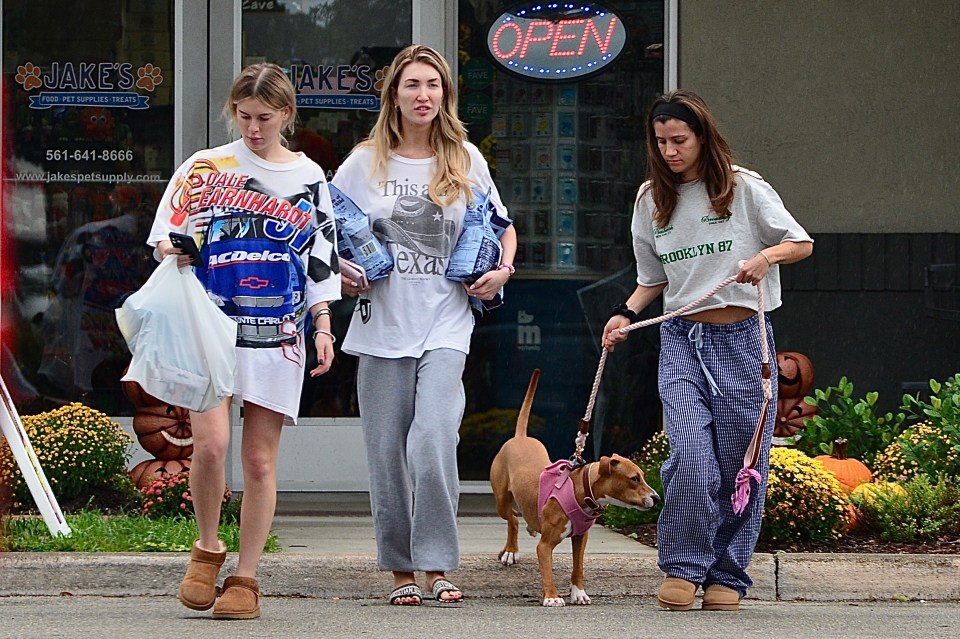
{"points": [[677, 594], [240, 599], [198, 590], [717, 597]]}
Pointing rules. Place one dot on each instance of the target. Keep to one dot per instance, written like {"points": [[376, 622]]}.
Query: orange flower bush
{"points": [[169, 496], [80, 449], [805, 502]]}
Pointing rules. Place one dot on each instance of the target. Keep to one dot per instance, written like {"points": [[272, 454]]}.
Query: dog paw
{"points": [[578, 596], [508, 558], [554, 602]]}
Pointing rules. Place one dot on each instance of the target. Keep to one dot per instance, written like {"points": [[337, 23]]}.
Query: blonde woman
{"points": [[413, 177], [262, 218]]}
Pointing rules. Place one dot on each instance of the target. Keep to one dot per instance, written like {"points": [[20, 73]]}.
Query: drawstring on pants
{"points": [[696, 338]]}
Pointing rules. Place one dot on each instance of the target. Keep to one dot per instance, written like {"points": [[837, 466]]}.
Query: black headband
{"points": [[679, 111]]}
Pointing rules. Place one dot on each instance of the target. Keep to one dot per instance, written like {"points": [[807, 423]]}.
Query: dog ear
{"points": [[605, 465]]}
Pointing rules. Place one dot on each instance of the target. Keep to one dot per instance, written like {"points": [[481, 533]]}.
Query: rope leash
{"points": [[741, 494]]}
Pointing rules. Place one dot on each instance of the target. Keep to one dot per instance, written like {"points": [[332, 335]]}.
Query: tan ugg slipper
{"points": [[717, 597], [198, 590], [240, 599], [677, 594]]}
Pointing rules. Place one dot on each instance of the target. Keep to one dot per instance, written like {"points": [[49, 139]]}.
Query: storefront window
{"points": [[335, 51], [87, 150], [554, 95]]}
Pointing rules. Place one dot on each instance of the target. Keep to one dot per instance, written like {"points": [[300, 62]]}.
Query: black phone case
{"points": [[186, 244]]}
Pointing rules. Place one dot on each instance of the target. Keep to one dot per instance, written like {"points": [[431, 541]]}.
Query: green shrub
{"points": [[841, 417], [804, 501], [230, 511], [80, 449], [650, 458], [932, 445], [922, 449], [943, 409], [922, 510]]}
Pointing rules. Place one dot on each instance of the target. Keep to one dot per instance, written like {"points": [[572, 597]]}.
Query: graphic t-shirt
{"points": [[266, 235], [699, 249], [414, 309]]}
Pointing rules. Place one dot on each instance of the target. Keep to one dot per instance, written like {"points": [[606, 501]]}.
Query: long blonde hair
{"points": [[447, 133]]}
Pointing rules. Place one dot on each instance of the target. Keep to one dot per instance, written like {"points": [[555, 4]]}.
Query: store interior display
{"points": [[568, 156]]}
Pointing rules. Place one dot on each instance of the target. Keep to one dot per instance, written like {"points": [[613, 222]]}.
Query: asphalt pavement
{"points": [[325, 582], [606, 617]]}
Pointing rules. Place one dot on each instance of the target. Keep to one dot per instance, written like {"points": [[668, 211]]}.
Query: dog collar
{"points": [[588, 499]]}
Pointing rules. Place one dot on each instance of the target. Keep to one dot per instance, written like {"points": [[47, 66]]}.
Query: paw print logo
{"points": [[28, 76], [378, 79], [148, 77]]}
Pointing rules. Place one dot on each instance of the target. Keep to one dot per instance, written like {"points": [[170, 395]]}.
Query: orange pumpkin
{"points": [[791, 413], [794, 375], [137, 396], [848, 471], [854, 518], [164, 431], [144, 473]]}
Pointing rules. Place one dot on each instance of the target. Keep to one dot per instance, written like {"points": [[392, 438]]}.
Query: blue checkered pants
{"points": [[710, 387]]}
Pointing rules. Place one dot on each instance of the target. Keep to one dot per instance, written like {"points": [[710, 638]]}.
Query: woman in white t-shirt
{"points": [[698, 220], [413, 177], [262, 218]]}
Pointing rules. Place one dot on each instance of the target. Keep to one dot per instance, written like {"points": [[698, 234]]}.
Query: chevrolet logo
{"points": [[253, 282]]}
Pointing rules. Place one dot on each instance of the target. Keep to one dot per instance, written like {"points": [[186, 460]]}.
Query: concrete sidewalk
{"points": [[329, 551]]}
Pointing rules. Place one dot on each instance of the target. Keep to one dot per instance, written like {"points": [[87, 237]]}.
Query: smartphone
{"points": [[189, 247], [354, 272]]}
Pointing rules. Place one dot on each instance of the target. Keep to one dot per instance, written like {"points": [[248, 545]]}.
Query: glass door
{"points": [[335, 52], [554, 94], [88, 146]]}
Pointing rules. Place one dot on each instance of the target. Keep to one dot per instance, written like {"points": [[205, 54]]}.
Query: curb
{"points": [[777, 577]]}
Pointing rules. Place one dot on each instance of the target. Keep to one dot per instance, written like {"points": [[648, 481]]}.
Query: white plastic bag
{"points": [[183, 346]]}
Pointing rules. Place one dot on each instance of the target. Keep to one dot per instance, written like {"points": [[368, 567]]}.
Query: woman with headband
{"points": [[697, 220]]}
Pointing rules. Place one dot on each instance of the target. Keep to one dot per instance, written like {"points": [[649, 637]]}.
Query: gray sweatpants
{"points": [[410, 409]]}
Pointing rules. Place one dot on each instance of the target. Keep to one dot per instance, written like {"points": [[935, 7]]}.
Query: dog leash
{"points": [[741, 493]]}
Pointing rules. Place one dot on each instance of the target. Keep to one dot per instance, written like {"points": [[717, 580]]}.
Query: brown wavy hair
{"points": [[268, 83], [447, 133], [715, 166]]}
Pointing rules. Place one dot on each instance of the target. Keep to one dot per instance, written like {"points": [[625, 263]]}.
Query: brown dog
{"points": [[515, 478]]}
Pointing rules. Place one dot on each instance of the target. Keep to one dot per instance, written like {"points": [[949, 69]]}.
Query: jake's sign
{"points": [[558, 41]]}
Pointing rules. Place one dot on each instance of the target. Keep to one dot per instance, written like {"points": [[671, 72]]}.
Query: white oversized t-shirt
{"points": [[699, 249], [266, 235], [415, 308]]}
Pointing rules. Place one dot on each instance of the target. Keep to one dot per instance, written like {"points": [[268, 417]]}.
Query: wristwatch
{"points": [[623, 309]]}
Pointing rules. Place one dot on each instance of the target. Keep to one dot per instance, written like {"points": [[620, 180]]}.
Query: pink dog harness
{"points": [[555, 483]]}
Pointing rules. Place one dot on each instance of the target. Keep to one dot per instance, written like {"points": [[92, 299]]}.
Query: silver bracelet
{"points": [[322, 311], [319, 331]]}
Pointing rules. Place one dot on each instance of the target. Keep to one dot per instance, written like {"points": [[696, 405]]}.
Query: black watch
{"points": [[623, 309]]}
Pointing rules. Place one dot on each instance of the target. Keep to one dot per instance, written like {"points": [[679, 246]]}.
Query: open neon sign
{"points": [[558, 41]]}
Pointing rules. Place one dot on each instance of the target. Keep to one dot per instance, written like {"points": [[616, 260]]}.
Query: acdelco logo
{"points": [[247, 256]]}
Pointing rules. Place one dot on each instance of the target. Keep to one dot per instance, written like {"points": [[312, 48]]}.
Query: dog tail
{"points": [[524, 415]]}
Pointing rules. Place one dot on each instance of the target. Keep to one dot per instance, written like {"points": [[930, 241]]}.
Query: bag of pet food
{"points": [[478, 248], [355, 241]]}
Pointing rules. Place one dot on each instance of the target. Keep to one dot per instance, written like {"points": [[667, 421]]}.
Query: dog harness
{"points": [[555, 483]]}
